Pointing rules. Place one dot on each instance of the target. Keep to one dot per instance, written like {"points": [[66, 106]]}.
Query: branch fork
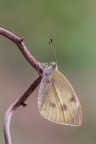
{"points": [[20, 101]]}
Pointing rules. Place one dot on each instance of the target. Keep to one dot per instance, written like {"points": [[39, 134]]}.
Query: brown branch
{"points": [[19, 42], [20, 101]]}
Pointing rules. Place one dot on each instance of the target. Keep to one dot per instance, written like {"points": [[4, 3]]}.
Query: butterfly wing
{"points": [[69, 101], [57, 100], [49, 104]]}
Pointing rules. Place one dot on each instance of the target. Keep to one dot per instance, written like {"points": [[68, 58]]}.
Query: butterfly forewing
{"points": [[68, 98]]}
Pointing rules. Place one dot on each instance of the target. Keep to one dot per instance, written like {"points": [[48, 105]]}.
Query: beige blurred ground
{"points": [[72, 25]]}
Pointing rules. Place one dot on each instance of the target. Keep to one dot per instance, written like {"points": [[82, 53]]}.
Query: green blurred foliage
{"points": [[72, 26]]}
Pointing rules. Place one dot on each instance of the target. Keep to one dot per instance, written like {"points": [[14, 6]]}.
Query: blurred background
{"points": [[72, 26]]}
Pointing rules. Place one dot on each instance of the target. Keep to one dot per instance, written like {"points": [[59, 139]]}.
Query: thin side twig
{"points": [[20, 101]]}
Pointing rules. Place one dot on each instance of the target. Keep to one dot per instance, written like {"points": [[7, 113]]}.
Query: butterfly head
{"points": [[53, 65], [49, 69]]}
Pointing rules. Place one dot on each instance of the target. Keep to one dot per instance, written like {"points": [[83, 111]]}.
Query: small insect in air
{"points": [[57, 100]]}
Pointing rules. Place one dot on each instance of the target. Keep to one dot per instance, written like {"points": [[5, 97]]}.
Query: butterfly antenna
{"points": [[53, 49]]}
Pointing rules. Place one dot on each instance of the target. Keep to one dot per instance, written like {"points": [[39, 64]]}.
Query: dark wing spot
{"points": [[52, 104], [64, 107], [73, 99], [45, 108]]}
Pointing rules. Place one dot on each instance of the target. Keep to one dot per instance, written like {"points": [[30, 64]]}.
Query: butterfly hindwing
{"points": [[49, 103]]}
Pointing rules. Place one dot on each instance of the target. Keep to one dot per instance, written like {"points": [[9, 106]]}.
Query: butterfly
{"points": [[57, 100]]}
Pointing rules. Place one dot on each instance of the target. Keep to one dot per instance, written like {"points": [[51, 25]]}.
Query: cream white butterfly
{"points": [[57, 100]]}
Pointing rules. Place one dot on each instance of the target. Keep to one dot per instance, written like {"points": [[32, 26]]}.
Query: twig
{"points": [[19, 42], [20, 101]]}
